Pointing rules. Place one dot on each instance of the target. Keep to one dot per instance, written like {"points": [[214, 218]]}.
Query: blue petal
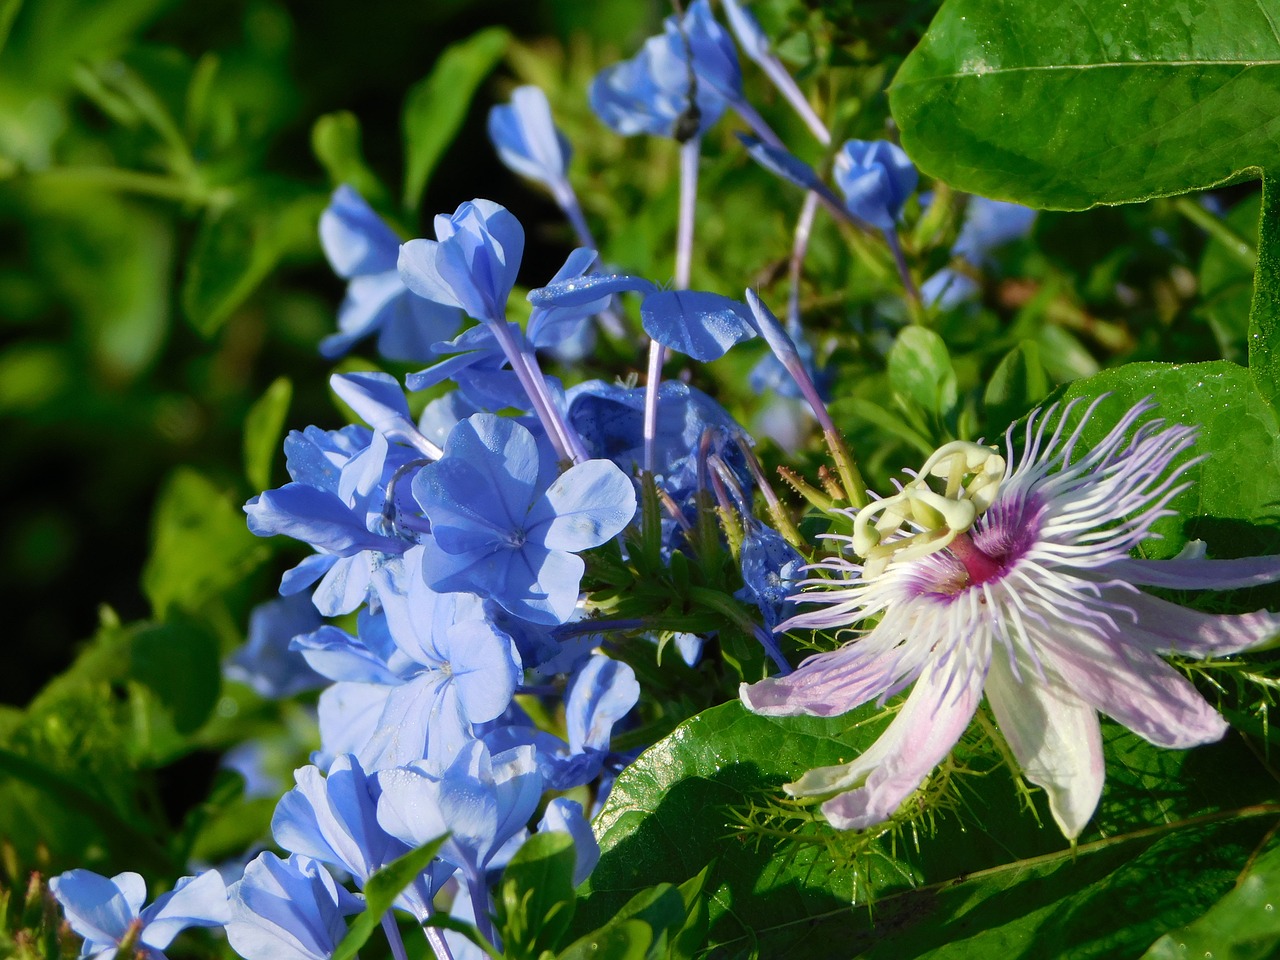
{"points": [[714, 58], [700, 325], [419, 266], [349, 714], [588, 504], [333, 819], [565, 816], [344, 587], [484, 670], [287, 910], [600, 695], [315, 517], [99, 909], [199, 901], [752, 38], [781, 163], [526, 137], [306, 573], [266, 662], [337, 655], [579, 291], [480, 492], [876, 178], [355, 239]]}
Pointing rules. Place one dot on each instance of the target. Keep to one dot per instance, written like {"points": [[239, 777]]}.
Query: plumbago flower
{"points": [[506, 527], [109, 914], [363, 250], [1016, 582]]}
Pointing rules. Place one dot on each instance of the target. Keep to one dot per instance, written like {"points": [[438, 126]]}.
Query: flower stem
{"points": [[786, 85], [480, 905], [759, 126], [393, 936], [439, 945], [799, 248], [689, 152], [914, 303], [530, 377]]}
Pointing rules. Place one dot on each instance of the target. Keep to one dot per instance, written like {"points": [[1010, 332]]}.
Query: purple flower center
{"points": [[999, 539], [978, 565]]}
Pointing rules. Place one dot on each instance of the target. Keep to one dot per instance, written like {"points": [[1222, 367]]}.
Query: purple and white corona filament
{"points": [[1016, 582]]}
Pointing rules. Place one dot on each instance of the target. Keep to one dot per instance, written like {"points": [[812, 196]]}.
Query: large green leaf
{"points": [[1235, 493], [1243, 925], [1172, 831], [436, 105], [672, 812], [1264, 314], [1069, 105]]}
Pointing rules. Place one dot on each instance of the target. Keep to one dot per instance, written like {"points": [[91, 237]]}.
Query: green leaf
{"points": [[201, 546], [628, 940], [1232, 501], [381, 891], [1018, 383], [920, 370], [436, 105], [335, 140], [112, 261], [262, 428], [1264, 316], [536, 901], [1172, 831], [671, 813], [1069, 105], [1243, 925], [237, 248], [8, 10], [178, 662]]}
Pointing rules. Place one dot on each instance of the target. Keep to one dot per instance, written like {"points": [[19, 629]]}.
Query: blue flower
{"points": [[477, 363], [421, 675], [334, 819], [338, 505], [471, 264], [528, 142], [876, 178], [288, 910], [265, 662], [610, 420], [480, 800], [599, 695], [772, 571], [552, 323], [988, 224], [565, 816], [650, 93], [362, 249], [506, 527], [108, 913]]}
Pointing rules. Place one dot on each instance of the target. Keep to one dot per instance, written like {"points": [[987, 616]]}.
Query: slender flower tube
{"points": [[1016, 582]]}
